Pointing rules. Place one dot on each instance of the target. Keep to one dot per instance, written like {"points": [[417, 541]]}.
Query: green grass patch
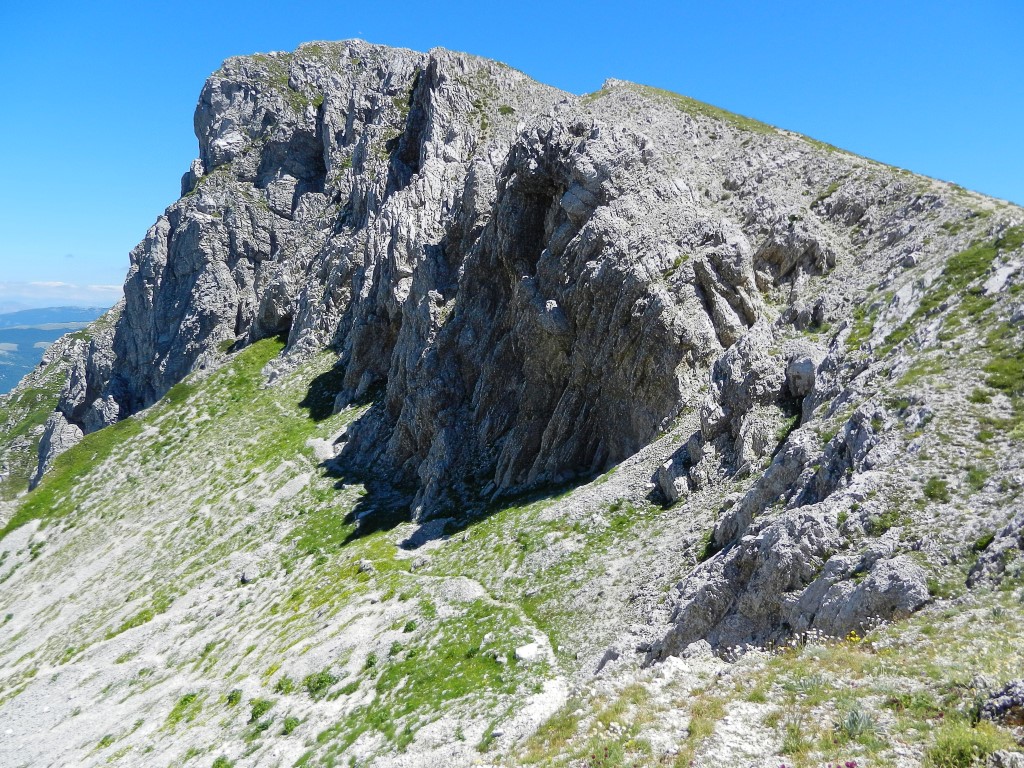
{"points": [[922, 369], [884, 521], [960, 272], [60, 486], [284, 685], [958, 744], [694, 107], [936, 489], [318, 683], [258, 708], [440, 667], [185, 709], [829, 191], [977, 477], [863, 325]]}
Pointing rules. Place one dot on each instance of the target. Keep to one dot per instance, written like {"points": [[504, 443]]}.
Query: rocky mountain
{"points": [[452, 418]]}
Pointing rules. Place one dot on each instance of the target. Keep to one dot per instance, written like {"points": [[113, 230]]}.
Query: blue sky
{"points": [[98, 97]]}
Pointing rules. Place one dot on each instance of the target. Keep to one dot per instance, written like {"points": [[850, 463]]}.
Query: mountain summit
{"points": [[452, 418]]}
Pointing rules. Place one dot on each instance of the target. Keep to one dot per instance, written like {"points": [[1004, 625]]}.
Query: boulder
{"points": [[1006, 706]]}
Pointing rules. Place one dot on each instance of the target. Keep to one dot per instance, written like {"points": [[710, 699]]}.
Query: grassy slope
{"points": [[169, 507]]}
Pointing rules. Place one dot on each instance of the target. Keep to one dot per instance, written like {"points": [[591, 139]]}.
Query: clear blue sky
{"points": [[98, 97]]}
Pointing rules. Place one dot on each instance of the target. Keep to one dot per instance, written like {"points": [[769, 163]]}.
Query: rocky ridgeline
{"points": [[533, 287]]}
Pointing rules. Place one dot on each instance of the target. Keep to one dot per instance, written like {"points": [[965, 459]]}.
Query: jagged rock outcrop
{"points": [[1001, 554], [82, 406], [1006, 705], [561, 351], [779, 557], [324, 177], [59, 435]]}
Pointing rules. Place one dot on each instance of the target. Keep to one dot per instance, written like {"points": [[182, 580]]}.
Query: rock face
{"points": [[531, 287], [1005, 759], [1000, 554], [59, 435], [1006, 705], [560, 351], [325, 178]]}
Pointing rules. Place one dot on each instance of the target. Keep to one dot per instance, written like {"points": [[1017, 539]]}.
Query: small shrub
{"points": [[786, 427], [806, 684], [855, 725], [284, 685], [942, 589], [795, 740], [920, 704], [234, 697], [708, 548], [318, 683], [757, 695], [980, 396], [976, 477], [259, 708], [106, 741], [936, 489], [290, 724], [223, 762], [958, 745], [371, 661], [186, 708], [981, 544], [410, 626], [879, 524]]}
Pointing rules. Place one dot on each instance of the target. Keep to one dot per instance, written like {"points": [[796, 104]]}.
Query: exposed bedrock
{"points": [[562, 349]]}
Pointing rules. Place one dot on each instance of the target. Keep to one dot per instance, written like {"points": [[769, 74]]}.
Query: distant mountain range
{"points": [[25, 335], [33, 318]]}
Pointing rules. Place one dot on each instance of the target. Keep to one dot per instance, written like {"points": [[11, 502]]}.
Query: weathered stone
{"points": [[1006, 706], [528, 653], [531, 288], [59, 436], [800, 376], [1005, 759]]}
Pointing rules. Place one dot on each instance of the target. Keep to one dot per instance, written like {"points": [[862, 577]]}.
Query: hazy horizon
{"points": [[17, 298]]}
